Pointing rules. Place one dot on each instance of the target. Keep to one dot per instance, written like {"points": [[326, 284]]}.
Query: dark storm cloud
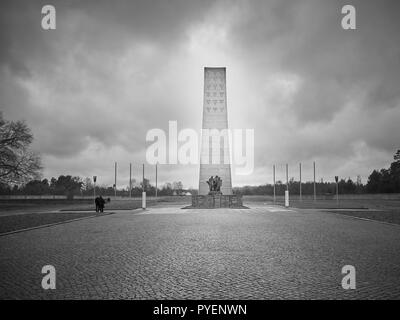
{"points": [[337, 69], [97, 25], [305, 37], [92, 36]]}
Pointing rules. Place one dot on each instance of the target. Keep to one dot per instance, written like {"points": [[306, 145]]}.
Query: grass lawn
{"points": [[29, 220]]}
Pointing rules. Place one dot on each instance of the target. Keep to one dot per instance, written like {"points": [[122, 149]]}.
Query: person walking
{"points": [[101, 204], [97, 203]]}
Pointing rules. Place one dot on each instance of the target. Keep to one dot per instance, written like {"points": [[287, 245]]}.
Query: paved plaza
{"points": [[266, 252]]}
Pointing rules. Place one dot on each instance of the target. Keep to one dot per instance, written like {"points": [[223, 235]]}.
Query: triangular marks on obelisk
{"points": [[215, 108], [208, 101], [215, 101]]}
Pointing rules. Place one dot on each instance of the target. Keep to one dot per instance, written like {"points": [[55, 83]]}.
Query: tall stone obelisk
{"points": [[214, 157]]}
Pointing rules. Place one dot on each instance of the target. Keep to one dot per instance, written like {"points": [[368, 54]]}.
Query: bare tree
{"points": [[17, 163]]}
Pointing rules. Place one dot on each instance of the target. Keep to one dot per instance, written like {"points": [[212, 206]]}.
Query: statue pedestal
{"points": [[215, 193], [216, 199]]}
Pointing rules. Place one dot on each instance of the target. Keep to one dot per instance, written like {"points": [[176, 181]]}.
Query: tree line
{"points": [[386, 180], [307, 188], [71, 186]]}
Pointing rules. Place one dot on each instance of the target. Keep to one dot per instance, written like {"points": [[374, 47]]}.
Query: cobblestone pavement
{"points": [[265, 252]]}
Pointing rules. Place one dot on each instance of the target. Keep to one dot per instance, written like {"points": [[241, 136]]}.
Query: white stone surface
{"points": [[215, 116]]}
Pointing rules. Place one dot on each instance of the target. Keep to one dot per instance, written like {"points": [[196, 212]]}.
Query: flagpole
{"points": [[130, 180], [156, 181], [115, 180]]}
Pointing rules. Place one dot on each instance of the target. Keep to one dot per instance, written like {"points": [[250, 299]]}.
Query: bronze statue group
{"points": [[214, 183]]}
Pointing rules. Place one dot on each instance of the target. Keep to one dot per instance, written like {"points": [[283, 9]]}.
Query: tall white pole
{"points": [[315, 190], [300, 183], [130, 180], [337, 192], [143, 192], [115, 180], [287, 177], [274, 185], [156, 181], [287, 186]]}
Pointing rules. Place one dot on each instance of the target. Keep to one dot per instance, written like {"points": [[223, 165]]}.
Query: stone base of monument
{"points": [[216, 200]]}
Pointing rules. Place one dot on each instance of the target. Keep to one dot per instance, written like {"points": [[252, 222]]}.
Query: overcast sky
{"points": [[112, 70]]}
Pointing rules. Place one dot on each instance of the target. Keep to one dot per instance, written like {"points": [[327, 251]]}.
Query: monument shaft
{"points": [[214, 157]]}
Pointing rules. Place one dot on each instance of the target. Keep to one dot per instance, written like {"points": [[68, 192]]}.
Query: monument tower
{"points": [[214, 157]]}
